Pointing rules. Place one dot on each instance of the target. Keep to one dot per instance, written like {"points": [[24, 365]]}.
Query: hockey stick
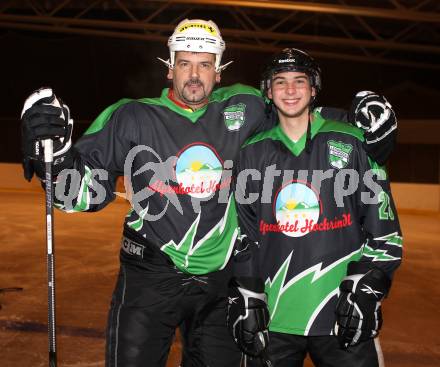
{"points": [[51, 325]]}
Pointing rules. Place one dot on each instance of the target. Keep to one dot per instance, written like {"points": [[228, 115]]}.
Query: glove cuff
{"points": [[61, 162], [367, 274]]}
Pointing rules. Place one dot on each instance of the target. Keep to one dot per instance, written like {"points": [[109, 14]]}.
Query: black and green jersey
{"points": [[178, 164], [311, 217]]}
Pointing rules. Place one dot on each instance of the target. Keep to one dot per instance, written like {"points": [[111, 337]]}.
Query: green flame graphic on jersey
{"points": [[84, 194], [210, 253], [294, 304]]}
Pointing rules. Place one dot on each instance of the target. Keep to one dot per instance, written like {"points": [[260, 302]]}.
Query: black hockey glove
{"points": [[374, 114], [248, 315], [358, 311], [44, 116]]}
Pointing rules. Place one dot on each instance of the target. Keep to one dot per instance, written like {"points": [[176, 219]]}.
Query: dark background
{"points": [[89, 73]]}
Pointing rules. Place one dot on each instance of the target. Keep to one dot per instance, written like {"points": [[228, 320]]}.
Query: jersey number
{"points": [[385, 211]]}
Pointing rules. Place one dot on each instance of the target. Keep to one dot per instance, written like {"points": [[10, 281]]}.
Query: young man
{"points": [[317, 220], [177, 152]]}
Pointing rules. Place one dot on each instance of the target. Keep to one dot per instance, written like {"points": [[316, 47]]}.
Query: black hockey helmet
{"points": [[291, 59]]}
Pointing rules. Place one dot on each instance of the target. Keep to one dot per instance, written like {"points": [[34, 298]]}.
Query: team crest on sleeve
{"points": [[339, 153], [234, 116]]}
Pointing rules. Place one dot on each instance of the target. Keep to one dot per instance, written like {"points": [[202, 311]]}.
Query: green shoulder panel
{"points": [[104, 116], [218, 95], [269, 134], [224, 93], [99, 123], [319, 125], [342, 127]]}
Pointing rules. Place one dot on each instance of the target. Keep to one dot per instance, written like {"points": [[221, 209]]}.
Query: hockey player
{"points": [[322, 239], [177, 152]]}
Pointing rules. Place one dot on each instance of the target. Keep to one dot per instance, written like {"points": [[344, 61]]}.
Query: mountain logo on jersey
{"points": [[234, 116], [199, 170], [296, 207], [339, 153]]}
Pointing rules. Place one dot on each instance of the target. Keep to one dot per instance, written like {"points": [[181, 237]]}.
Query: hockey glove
{"points": [[358, 311], [374, 114], [248, 315], [44, 116]]}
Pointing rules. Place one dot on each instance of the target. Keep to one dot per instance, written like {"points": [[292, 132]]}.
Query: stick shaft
{"points": [[48, 158]]}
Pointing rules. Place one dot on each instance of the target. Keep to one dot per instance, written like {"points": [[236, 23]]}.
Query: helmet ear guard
{"points": [[196, 35]]}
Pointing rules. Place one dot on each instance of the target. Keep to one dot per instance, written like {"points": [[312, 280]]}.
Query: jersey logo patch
{"points": [[199, 170], [296, 209], [339, 153], [234, 116]]}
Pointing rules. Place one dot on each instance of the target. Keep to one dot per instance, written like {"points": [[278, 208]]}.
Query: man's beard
{"points": [[191, 98]]}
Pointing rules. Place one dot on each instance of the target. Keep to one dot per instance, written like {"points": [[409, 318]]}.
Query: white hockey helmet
{"points": [[196, 35]]}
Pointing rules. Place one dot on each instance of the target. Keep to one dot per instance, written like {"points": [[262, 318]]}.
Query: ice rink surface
{"points": [[87, 246]]}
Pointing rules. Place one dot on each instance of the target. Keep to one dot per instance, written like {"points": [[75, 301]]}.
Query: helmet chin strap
{"points": [[309, 136]]}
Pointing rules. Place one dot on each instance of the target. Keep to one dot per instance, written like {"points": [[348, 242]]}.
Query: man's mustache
{"points": [[194, 82]]}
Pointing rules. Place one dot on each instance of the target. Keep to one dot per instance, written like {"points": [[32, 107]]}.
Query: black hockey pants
{"points": [[151, 300], [286, 350]]}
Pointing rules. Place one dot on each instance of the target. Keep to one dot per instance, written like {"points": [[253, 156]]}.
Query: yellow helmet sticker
{"points": [[208, 28]]}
